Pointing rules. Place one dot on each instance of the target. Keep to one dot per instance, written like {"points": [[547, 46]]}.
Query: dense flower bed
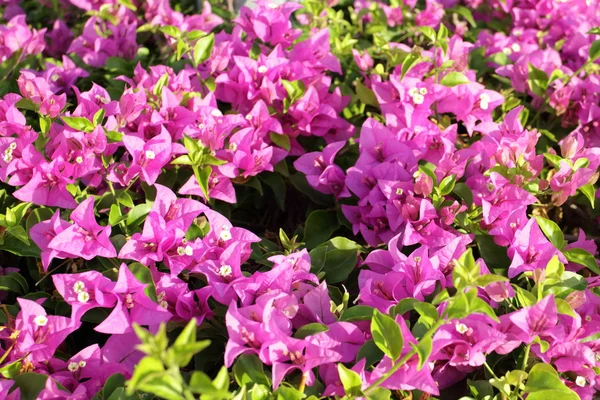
{"points": [[333, 199]]}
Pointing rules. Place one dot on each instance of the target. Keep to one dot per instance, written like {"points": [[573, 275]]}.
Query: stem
{"points": [[302, 383], [402, 361], [526, 357], [490, 370]]}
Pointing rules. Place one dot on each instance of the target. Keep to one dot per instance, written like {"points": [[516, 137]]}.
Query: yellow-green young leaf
{"points": [[387, 335], [454, 79], [466, 14], [79, 123], [553, 159], [408, 63], [350, 380], [423, 349], [160, 84], [543, 383], [552, 232], [171, 30], [203, 175], [589, 191], [429, 33], [310, 329], [203, 48], [249, 369], [447, 185]]}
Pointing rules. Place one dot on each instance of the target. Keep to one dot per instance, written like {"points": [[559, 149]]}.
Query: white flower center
{"points": [[83, 297], [516, 47], [507, 51], [215, 113], [82, 364], [150, 155], [79, 160], [580, 381], [262, 69], [40, 320], [225, 234], [461, 328], [225, 270], [73, 366], [78, 287], [418, 98]]}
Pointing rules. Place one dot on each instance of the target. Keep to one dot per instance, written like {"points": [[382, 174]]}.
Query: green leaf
{"points": [[466, 14], [38, 215], [99, 117], [423, 349], [582, 257], [387, 335], [309, 330], [366, 95], [429, 32], [350, 380], [160, 84], [249, 369], [203, 48], [594, 51], [357, 313], [274, 181], [454, 78], [137, 214], [370, 352], [114, 382], [589, 191], [495, 256], [143, 274], [30, 384], [9, 371], [552, 232], [203, 176], [447, 185], [319, 227], [553, 159], [543, 383], [282, 141], [336, 258], [464, 192], [114, 136], [79, 123], [409, 62], [171, 30], [537, 80]]}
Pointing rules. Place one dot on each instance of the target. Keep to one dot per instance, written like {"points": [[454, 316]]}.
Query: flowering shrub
{"points": [[357, 200]]}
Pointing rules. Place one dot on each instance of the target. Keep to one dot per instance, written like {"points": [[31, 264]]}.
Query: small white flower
{"points": [[225, 235], [413, 91], [418, 98], [248, 117], [73, 366], [82, 364], [461, 328], [232, 146], [201, 126], [262, 69], [103, 100], [180, 250], [484, 101], [225, 270], [164, 304], [55, 77], [83, 297], [7, 157], [12, 146], [273, 5], [423, 91], [79, 160], [150, 155], [188, 250], [215, 113], [507, 51], [78, 287], [40, 320], [516, 47], [580, 381], [399, 191]]}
